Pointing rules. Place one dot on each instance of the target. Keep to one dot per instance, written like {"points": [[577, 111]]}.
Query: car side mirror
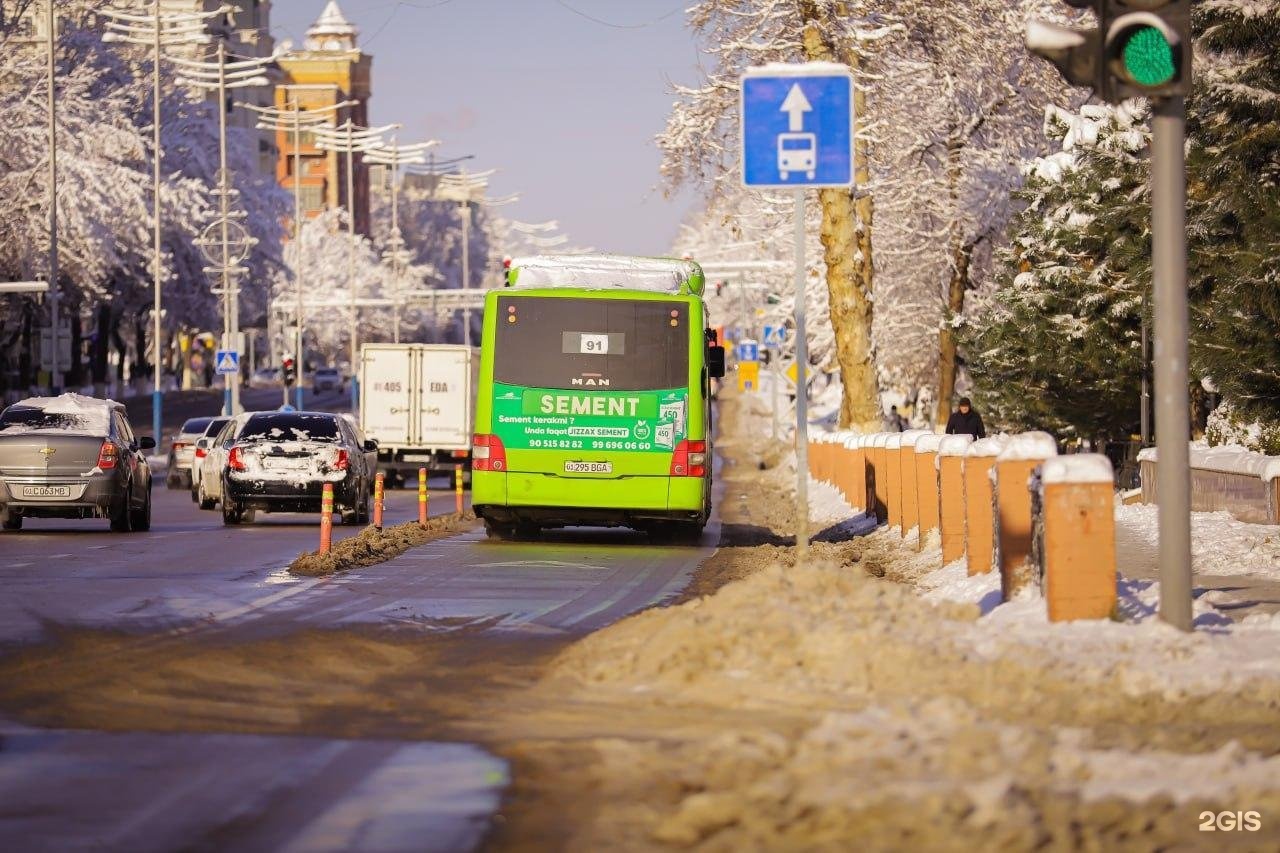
{"points": [[370, 445], [146, 442], [715, 362], [203, 443]]}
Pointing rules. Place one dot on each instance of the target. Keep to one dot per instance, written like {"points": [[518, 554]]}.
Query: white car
{"points": [[182, 451], [265, 377], [200, 450], [327, 379], [209, 489]]}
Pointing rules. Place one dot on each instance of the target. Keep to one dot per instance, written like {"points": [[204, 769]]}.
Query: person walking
{"points": [[895, 422], [964, 420]]}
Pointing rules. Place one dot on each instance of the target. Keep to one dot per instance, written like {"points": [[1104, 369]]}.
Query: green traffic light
{"points": [[1148, 57]]}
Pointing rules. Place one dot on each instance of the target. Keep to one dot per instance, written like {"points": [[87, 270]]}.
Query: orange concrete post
{"points": [[927, 483], [379, 486], [910, 501], [1079, 545], [1013, 506], [422, 496], [980, 529], [326, 518], [893, 467], [951, 450], [457, 488], [857, 473], [880, 475]]}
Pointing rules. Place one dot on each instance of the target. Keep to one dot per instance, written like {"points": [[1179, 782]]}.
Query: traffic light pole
{"points": [[1172, 410], [802, 392]]}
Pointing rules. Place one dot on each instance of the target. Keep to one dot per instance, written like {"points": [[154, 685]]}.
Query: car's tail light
{"points": [[235, 460], [689, 459], [342, 462], [487, 453], [201, 452], [459, 454], [107, 455], [178, 445]]}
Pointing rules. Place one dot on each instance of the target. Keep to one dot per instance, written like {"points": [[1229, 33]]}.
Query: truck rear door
{"points": [[444, 414], [386, 398]]}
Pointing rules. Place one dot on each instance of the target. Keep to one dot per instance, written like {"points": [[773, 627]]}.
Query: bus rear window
{"points": [[624, 345]]}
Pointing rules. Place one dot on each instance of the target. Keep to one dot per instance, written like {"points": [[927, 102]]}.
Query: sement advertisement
{"points": [[556, 419]]}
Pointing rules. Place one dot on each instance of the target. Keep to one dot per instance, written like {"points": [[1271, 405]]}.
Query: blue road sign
{"points": [[226, 362], [797, 126], [774, 336], [748, 351]]}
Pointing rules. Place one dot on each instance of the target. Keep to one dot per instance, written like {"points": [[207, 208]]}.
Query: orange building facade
{"points": [[329, 69]]}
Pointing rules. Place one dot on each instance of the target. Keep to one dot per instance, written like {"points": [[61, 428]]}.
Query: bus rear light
{"points": [[487, 453], [689, 459]]}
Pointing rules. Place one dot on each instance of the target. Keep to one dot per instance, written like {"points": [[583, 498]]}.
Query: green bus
{"points": [[593, 403]]}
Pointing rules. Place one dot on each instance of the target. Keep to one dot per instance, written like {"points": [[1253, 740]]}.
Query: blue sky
{"points": [[565, 107]]}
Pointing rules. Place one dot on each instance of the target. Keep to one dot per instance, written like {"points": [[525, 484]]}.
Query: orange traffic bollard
{"points": [[927, 484], [326, 518], [378, 485], [893, 471], [422, 496], [457, 487]]}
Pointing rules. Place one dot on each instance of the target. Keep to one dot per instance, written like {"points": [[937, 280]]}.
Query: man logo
{"points": [[590, 381]]}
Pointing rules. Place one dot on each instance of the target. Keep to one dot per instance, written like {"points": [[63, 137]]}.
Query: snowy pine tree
{"points": [[1234, 215], [1058, 344]]}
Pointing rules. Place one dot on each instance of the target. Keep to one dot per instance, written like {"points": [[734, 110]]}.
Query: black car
{"points": [[73, 457], [280, 462]]}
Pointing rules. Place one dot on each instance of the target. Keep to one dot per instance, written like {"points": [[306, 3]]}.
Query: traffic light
{"points": [[289, 371], [1140, 48], [1147, 47]]}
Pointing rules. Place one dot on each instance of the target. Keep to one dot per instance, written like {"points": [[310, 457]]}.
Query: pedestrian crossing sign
{"points": [[227, 362]]}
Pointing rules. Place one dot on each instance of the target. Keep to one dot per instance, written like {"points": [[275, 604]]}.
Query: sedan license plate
{"points": [[46, 491], [588, 467]]}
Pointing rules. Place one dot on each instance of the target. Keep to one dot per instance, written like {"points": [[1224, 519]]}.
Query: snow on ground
{"points": [[1220, 544]]}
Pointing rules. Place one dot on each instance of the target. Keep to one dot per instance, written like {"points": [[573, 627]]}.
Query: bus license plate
{"points": [[46, 491], [588, 467]]}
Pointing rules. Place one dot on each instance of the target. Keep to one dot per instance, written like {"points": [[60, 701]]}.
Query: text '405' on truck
{"points": [[417, 401], [595, 401]]}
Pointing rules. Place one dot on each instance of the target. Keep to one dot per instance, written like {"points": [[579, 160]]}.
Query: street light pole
{"points": [[393, 156], [154, 30], [55, 378]]}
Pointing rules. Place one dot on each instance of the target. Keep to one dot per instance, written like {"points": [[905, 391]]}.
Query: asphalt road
{"points": [[189, 576]]}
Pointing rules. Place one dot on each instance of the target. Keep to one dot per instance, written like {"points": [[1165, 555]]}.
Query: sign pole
{"points": [[802, 392], [1173, 427], [774, 358]]}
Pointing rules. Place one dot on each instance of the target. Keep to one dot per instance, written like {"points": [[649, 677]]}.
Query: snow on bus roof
{"points": [[607, 272]]}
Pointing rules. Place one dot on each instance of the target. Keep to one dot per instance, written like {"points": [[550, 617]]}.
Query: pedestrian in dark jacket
{"points": [[964, 420], [895, 422]]}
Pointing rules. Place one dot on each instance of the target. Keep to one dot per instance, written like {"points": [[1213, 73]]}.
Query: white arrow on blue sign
{"points": [[774, 336], [226, 362], [797, 125]]}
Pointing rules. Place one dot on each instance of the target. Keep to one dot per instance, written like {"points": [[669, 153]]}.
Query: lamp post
{"points": [[55, 378], [157, 29], [223, 76], [294, 120], [393, 156], [350, 139]]}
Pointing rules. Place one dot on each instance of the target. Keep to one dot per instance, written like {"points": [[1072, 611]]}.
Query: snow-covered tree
{"points": [[1234, 212], [1057, 344]]}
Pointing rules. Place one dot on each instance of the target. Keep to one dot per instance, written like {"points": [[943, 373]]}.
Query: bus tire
{"points": [[527, 531], [500, 532]]}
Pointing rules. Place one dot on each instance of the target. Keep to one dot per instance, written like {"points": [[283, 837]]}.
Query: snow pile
{"points": [[1220, 545], [826, 504], [1078, 468], [1226, 459], [74, 413], [1028, 446]]}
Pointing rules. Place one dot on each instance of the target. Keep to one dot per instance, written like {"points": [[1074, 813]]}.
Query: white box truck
{"points": [[418, 402]]}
